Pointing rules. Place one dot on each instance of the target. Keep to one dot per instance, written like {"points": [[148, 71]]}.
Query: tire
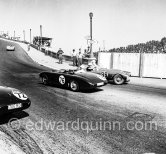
{"points": [[74, 86], [44, 79], [118, 79]]}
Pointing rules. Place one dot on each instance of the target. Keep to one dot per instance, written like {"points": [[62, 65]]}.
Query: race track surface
{"points": [[62, 121]]}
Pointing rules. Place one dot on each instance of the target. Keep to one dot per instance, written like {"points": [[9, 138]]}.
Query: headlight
{"points": [[19, 95]]}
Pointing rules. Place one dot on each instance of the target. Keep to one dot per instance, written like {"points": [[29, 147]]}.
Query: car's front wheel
{"points": [[44, 79], [118, 79], [74, 86]]}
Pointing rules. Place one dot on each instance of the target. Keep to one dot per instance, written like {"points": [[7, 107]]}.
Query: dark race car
{"points": [[12, 100], [10, 47], [117, 76], [75, 80]]}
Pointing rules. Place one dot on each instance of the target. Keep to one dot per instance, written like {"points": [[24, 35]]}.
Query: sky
{"points": [[115, 23]]}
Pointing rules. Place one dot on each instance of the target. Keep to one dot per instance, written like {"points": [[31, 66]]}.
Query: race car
{"points": [[117, 76], [12, 100], [10, 47], [73, 79]]}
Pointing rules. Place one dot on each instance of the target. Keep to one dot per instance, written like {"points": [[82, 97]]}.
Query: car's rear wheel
{"points": [[44, 79], [74, 86], [118, 79]]}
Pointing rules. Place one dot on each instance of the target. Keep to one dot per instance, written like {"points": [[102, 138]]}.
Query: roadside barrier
{"points": [[139, 64]]}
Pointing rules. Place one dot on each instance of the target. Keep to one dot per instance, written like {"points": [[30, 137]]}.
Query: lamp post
{"points": [[91, 15], [91, 57]]}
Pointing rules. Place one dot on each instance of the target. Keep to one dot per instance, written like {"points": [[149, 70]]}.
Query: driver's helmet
{"points": [[90, 67]]}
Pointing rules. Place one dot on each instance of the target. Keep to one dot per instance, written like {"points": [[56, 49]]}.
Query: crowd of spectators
{"points": [[148, 47]]}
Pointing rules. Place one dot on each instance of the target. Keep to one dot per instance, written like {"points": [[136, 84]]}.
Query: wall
{"points": [[154, 65], [127, 62], [143, 65]]}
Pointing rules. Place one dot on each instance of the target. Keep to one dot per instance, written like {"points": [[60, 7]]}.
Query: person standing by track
{"points": [[74, 55], [60, 55], [80, 56]]}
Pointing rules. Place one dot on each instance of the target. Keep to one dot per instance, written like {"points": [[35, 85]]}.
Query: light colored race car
{"points": [[117, 76], [10, 47]]}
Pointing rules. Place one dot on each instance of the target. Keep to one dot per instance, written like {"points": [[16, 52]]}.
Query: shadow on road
{"points": [[67, 88], [17, 115], [112, 83]]}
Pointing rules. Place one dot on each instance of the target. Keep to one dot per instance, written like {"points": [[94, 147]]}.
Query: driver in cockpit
{"points": [[92, 66]]}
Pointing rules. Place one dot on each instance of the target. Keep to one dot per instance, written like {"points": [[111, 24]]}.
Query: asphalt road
{"points": [[109, 120]]}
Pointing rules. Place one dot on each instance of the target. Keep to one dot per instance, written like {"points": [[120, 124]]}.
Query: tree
{"points": [[163, 43]]}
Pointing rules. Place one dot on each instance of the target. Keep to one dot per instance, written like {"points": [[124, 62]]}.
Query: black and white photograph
{"points": [[82, 77]]}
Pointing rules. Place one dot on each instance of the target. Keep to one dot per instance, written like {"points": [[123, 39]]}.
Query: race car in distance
{"points": [[12, 100], [117, 76], [10, 47], [75, 80]]}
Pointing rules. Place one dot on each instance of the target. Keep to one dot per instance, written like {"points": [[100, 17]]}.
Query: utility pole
{"points": [[30, 37], [14, 34], [40, 35], [24, 34]]}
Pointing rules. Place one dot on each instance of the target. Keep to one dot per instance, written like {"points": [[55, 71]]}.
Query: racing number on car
{"points": [[104, 74], [62, 79], [20, 95]]}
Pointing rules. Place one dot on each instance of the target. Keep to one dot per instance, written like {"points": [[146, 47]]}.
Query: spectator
{"points": [[60, 55], [74, 55], [28, 47], [148, 47], [79, 58]]}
